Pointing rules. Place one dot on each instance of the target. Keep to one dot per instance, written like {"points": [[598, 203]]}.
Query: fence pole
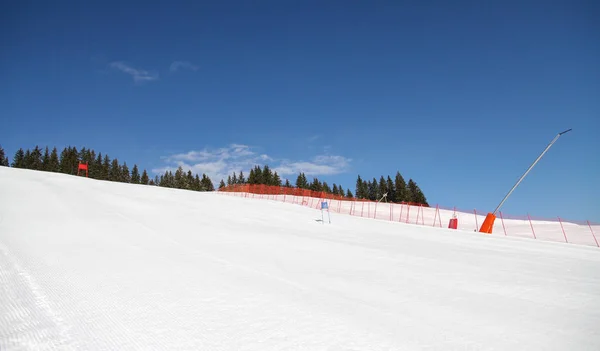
{"points": [[531, 224], [391, 212], [418, 212], [407, 212], [375, 211], [362, 209], [436, 213], [503, 227], [476, 221], [401, 210], [439, 217], [591, 230], [563, 229], [422, 215]]}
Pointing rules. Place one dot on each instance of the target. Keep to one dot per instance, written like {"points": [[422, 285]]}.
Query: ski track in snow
{"points": [[92, 265]]}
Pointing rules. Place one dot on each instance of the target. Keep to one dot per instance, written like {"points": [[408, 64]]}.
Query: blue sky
{"points": [[460, 96]]}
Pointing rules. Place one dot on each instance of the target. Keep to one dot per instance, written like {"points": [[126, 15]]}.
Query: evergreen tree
{"points": [[325, 187], [28, 160], [301, 181], [94, 168], [391, 190], [241, 179], [190, 180], [382, 188], [349, 194], [416, 194], [170, 179], [234, 179], [287, 183], [53, 163], [180, 181], [3, 158], [69, 160], [334, 189], [401, 192], [207, 184], [106, 168], [135, 175], [316, 185], [420, 197], [46, 160], [36, 159], [19, 159], [145, 180], [98, 168], [114, 174], [197, 183], [411, 191], [229, 181], [267, 176], [373, 189], [125, 175], [362, 189], [251, 177], [258, 175], [221, 184], [276, 179]]}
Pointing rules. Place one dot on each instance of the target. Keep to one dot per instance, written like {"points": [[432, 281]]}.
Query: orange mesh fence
{"points": [[551, 229]]}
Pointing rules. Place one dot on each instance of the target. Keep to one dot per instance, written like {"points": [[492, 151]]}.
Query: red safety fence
{"points": [[551, 229]]}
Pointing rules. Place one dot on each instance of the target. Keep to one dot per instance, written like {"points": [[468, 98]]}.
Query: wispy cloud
{"points": [[177, 65], [318, 165], [139, 75], [221, 162]]}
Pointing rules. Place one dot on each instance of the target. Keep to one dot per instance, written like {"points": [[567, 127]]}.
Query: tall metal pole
{"points": [[529, 169]]}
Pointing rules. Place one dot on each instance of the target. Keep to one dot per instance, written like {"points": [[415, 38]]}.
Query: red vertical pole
{"points": [[476, 221], [401, 210], [503, 227], [417, 220], [563, 229], [435, 216], [591, 230], [531, 224], [439, 217]]}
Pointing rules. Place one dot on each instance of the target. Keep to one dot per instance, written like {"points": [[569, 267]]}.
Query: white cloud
{"points": [[319, 165], [221, 162], [139, 75], [177, 65]]}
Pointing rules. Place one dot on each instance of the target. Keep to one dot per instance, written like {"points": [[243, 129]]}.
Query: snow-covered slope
{"points": [[92, 265]]}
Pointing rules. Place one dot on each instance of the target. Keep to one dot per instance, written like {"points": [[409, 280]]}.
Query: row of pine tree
{"points": [[103, 168], [395, 190]]}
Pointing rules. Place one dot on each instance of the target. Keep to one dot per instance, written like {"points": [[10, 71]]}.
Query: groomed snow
{"points": [[94, 265]]}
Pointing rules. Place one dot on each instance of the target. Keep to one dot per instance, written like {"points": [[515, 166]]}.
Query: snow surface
{"points": [[550, 230], [94, 265]]}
